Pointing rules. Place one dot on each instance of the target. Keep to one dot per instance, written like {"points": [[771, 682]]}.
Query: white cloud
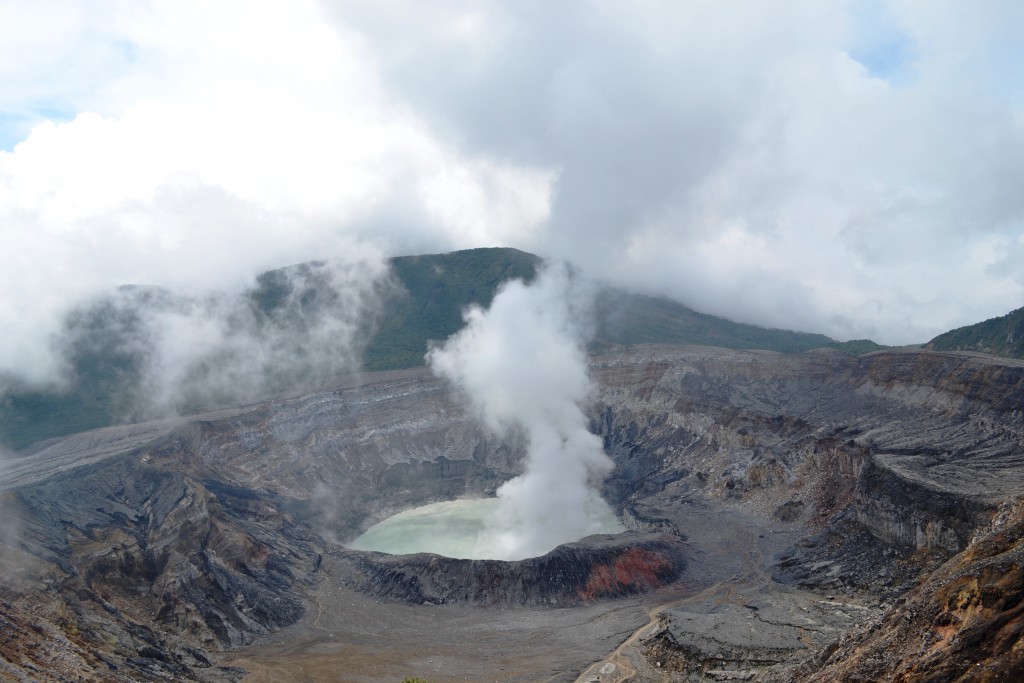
{"points": [[738, 157], [218, 140]]}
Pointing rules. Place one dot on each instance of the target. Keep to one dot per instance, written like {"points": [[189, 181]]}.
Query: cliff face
{"points": [[161, 543], [963, 623], [916, 448], [148, 571], [893, 462]]}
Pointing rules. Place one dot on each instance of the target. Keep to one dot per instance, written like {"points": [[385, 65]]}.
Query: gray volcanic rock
{"points": [[890, 462], [918, 448], [757, 632], [188, 552], [600, 567], [150, 548], [963, 623]]}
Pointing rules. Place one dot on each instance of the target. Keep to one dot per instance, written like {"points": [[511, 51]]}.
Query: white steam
{"points": [[523, 366], [228, 350]]}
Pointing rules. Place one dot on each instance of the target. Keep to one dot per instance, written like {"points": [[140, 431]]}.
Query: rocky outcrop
{"points": [[918, 447], [965, 622], [601, 567], [154, 544], [758, 635], [148, 572], [892, 461]]}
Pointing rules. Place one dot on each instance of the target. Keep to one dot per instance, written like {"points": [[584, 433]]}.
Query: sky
{"points": [[850, 168]]}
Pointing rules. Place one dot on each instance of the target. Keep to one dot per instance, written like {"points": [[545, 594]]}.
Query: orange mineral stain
{"points": [[633, 570]]}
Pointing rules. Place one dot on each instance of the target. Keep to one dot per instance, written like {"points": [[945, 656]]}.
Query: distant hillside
{"points": [[1002, 336], [105, 341], [434, 289], [625, 318], [858, 347]]}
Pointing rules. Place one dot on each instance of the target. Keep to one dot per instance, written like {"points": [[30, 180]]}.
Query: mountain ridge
{"points": [[999, 336], [421, 302]]}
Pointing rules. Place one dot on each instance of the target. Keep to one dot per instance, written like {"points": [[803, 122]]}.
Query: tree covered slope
{"points": [[1002, 336]]}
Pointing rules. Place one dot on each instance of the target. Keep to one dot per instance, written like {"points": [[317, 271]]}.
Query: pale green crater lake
{"points": [[450, 528]]}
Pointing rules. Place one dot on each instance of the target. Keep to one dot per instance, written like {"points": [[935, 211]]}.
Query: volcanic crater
{"points": [[775, 503]]}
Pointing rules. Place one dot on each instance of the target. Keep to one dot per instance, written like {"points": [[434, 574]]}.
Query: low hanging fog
{"points": [[158, 351]]}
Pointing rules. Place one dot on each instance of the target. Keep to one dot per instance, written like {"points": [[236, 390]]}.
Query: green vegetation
{"points": [[32, 416], [433, 291], [858, 347], [637, 319], [1002, 336]]}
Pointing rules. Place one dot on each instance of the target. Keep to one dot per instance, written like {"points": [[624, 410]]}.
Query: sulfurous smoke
{"points": [[523, 366]]}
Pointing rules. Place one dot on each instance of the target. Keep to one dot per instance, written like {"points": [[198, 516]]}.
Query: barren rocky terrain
{"points": [[814, 516]]}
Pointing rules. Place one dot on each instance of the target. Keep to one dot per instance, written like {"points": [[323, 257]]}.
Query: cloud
{"points": [[760, 162], [741, 158], [56, 55], [524, 368], [210, 142], [157, 351]]}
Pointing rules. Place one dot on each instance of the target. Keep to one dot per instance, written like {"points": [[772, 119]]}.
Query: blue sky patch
{"points": [[880, 43], [15, 127]]}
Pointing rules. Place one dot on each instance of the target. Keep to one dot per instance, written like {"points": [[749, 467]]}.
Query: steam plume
{"points": [[523, 367]]}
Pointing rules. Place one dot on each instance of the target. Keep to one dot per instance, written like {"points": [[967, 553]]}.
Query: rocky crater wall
{"points": [[917, 448], [600, 567], [209, 531]]}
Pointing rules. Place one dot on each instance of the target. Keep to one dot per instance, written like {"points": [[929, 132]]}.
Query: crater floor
{"points": [[727, 585]]}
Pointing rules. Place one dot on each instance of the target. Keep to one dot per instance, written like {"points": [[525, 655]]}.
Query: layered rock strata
{"points": [[155, 546]]}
